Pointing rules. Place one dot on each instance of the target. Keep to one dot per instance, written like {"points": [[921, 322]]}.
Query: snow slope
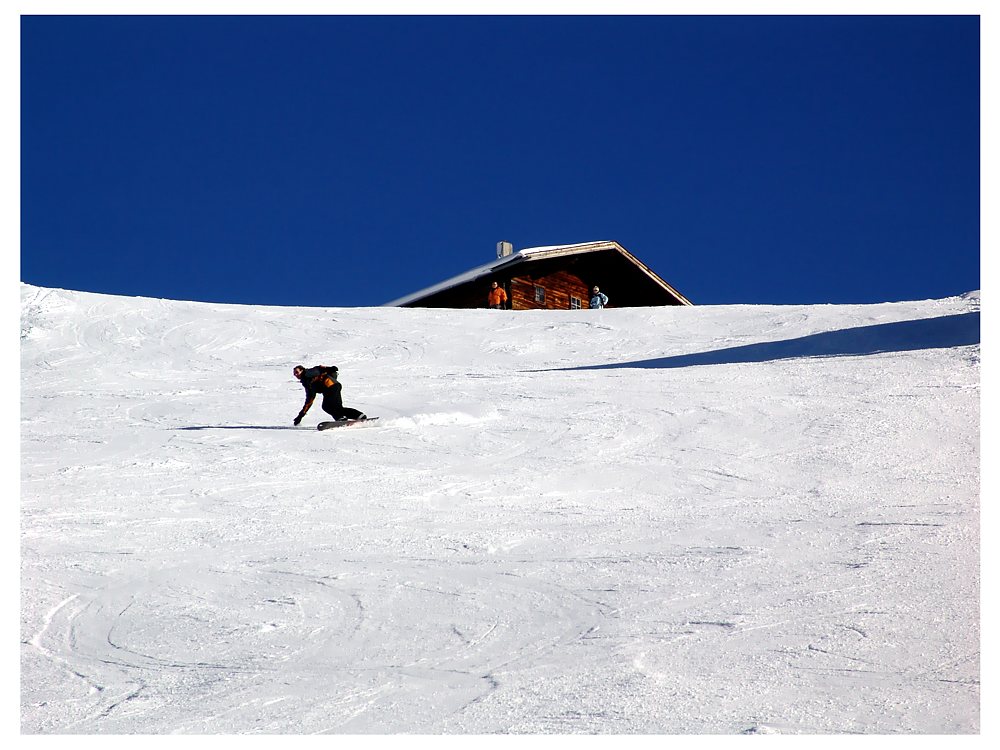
{"points": [[733, 519]]}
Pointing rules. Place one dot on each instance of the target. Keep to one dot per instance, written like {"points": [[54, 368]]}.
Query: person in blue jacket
{"points": [[599, 299]]}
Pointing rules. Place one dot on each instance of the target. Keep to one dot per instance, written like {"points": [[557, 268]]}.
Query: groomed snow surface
{"points": [[730, 519]]}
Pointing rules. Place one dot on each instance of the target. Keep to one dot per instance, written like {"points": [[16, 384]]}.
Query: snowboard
{"points": [[343, 423]]}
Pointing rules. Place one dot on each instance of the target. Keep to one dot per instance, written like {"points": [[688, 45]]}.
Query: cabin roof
{"points": [[526, 255]]}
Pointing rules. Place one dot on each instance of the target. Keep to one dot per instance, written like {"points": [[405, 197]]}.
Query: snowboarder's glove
{"points": [[297, 420]]}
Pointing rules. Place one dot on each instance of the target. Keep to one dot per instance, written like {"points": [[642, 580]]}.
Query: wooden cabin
{"points": [[559, 277]]}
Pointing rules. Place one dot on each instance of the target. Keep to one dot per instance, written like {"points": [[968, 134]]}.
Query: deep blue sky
{"points": [[351, 160]]}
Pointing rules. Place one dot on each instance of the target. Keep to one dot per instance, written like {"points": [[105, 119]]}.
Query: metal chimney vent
{"points": [[504, 249]]}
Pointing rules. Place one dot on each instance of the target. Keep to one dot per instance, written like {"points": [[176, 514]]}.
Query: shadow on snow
{"points": [[238, 427], [908, 335]]}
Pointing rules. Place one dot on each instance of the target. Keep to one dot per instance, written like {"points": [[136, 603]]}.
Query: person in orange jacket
{"points": [[497, 298]]}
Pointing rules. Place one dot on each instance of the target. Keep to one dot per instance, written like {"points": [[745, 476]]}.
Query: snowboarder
{"points": [[497, 297], [599, 299], [323, 379]]}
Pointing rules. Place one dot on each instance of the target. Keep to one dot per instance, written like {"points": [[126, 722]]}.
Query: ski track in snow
{"points": [[564, 522]]}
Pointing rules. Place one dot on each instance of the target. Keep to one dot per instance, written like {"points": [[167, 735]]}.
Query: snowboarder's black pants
{"points": [[333, 406]]}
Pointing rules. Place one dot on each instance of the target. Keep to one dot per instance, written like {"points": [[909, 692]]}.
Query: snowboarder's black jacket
{"points": [[321, 379]]}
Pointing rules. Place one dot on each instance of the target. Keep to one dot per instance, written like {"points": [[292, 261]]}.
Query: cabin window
{"points": [[539, 294], [575, 303]]}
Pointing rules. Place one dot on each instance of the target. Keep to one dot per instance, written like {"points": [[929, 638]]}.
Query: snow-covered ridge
{"points": [[729, 519]]}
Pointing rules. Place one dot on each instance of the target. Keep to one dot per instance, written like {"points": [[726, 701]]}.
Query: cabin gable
{"points": [[555, 278]]}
